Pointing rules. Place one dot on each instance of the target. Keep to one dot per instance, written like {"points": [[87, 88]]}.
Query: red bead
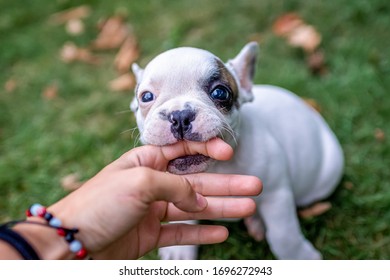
{"points": [[61, 232], [81, 254], [41, 212], [28, 213]]}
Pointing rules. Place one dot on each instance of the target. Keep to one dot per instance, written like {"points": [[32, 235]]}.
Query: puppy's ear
{"points": [[138, 73], [243, 66]]}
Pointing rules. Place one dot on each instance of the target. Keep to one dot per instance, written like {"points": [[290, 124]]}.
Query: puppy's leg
{"points": [[183, 252], [283, 231], [255, 227]]}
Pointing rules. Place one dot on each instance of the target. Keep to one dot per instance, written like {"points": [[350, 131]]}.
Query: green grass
{"points": [[80, 131]]}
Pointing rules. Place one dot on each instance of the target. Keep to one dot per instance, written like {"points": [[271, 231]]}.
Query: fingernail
{"points": [[201, 201]]}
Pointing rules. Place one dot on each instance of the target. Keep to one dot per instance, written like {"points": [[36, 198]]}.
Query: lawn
{"points": [[59, 118]]}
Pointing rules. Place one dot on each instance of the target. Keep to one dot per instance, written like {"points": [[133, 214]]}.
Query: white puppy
{"points": [[190, 94]]}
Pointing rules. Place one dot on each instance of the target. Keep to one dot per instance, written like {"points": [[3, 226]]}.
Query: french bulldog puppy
{"points": [[190, 94]]}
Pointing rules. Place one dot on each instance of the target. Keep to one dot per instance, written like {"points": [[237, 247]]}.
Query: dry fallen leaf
{"points": [[286, 23], [297, 32], [123, 83], [75, 26], [71, 182], [348, 185], [312, 103], [380, 135], [316, 63], [113, 33], [127, 54], [10, 85], [70, 53], [302, 35], [73, 13], [315, 210], [306, 37], [50, 92]]}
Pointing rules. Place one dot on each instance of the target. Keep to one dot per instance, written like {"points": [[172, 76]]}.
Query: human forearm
{"points": [[45, 240]]}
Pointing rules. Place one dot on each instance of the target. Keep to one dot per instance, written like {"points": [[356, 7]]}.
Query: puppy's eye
{"points": [[220, 93], [147, 97]]}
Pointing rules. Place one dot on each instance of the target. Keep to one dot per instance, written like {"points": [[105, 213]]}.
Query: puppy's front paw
{"points": [[255, 227], [185, 252], [313, 255], [302, 251], [306, 252]]}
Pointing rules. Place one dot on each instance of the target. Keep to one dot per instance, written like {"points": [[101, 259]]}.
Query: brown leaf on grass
{"points": [[297, 32], [312, 103], [70, 53], [286, 23], [305, 37], [50, 92], [315, 210], [113, 33], [127, 54], [10, 85], [75, 27], [123, 83], [380, 135], [348, 185], [316, 63], [73, 13], [71, 182]]}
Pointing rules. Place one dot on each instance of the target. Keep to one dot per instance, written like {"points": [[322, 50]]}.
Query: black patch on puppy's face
{"points": [[221, 78]]}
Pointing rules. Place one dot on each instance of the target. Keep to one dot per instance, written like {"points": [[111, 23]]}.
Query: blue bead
{"points": [[34, 209], [75, 246], [54, 222]]}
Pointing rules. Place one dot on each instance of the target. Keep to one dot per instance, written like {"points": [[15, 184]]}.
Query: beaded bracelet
{"points": [[75, 246]]}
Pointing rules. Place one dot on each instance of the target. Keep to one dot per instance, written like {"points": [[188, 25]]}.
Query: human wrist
{"points": [[70, 218], [49, 235], [47, 243]]}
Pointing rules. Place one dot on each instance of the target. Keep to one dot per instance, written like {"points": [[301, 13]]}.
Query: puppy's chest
{"points": [[252, 160], [257, 153]]}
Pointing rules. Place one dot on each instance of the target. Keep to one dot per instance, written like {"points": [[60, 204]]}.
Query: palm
{"points": [[139, 240]]}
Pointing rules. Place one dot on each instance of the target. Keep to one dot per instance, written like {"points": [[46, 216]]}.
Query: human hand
{"points": [[119, 211]]}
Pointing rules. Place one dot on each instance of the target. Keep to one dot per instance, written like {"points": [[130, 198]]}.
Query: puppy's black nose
{"points": [[181, 122]]}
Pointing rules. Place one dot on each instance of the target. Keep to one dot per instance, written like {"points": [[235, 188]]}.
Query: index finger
{"points": [[209, 184]]}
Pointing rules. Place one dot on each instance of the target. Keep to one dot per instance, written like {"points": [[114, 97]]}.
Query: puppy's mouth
{"points": [[189, 164]]}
